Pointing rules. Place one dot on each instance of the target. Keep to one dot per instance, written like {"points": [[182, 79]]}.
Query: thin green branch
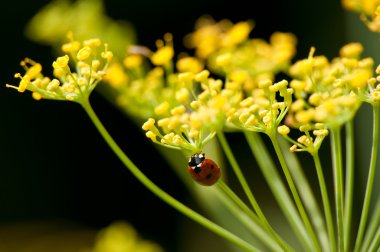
{"points": [[326, 202], [370, 179], [239, 174], [227, 190], [306, 193], [375, 245], [336, 149], [245, 215], [349, 189], [158, 191], [294, 191], [373, 225], [278, 188]]}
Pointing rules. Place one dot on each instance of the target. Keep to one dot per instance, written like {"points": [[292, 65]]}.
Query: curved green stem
{"points": [[239, 174], [338, 183], [349, 189], [158, 191], [326, 202], [278, 188], [373, 225], [376, 242], [370, 179], [227, 190], [245, 216], [306, 194], [294, 191]]}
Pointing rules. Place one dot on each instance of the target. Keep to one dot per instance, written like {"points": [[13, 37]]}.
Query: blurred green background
{"points": [[54, 166]]}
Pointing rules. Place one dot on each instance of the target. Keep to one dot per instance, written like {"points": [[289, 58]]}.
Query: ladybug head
{"points": [[196, 159]]}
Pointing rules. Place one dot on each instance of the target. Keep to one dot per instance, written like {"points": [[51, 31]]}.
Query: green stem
{"points": [[294, 191], [376, 242], [370, 179], [245, 216], [239, 174], [338, 183], [227, 190], [326, 202], [158, 191], [349, 189], [306, 193], [278, 188], [373, 225]]}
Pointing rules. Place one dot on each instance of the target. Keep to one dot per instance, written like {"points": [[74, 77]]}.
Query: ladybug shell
{"points": [[206, 172]]}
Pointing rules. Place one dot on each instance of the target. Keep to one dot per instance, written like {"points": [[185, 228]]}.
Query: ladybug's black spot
{"points": [[197, 169], [212, 166], [208, 176]]}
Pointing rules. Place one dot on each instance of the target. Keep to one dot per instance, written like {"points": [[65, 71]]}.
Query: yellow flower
{"points": [[163, 55], [70, 86], [120, 236]]}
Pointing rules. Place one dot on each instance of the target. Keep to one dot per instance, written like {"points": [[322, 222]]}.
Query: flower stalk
{"points": [[370, 179], [157, 190]]}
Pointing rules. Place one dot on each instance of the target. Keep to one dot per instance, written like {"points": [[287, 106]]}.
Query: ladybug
{"points": [[204, 171]]}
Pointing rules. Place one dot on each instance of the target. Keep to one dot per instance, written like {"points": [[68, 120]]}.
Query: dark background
{"points": [[54, 164]]}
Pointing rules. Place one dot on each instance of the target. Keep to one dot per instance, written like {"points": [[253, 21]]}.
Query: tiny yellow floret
{"points": [[148, 124], [162, 55], [162, 109], [61, 62], [351, 50], [223, 59], [84, 53], [132, 61], [283, 130]]}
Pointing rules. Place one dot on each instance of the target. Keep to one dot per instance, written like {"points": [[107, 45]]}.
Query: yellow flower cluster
{"points": [[90, 61], [229, 51], [192, 124], [329, 92], [369, 11], [366, 7], [145, 79], [121, 236], [261, 112]]}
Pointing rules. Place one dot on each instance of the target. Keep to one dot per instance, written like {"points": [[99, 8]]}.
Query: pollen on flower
{"points": [[94, 42], [202, 76], [148, 124], [132, 61], [182, 95], [186, 76], [37, 96], [53, 85], [283, 130], [352, 50], [162, 55], [61, 62], [108, 55], [237, 34], [162, 109], [223, 59], [151, 135], [84, 53], [189, 64], [179, 110]]}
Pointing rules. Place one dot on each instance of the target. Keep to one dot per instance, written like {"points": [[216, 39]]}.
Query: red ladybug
{"points": [[204, 171]]}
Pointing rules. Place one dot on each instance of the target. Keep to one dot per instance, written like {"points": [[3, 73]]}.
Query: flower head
{"points": [[229, 51], [121, 236], [90, 61], [262, 112], [329, 92], [192, 124]]}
